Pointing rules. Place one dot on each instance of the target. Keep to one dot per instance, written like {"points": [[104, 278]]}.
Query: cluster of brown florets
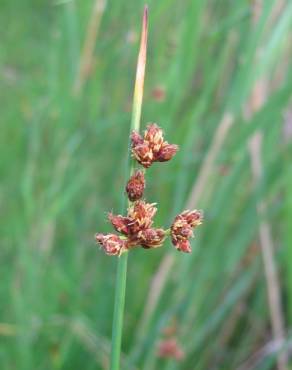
{"points": [[153, 147], [136, 228]]}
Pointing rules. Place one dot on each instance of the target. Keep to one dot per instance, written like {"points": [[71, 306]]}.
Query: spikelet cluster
{"points": [[136, 228]]}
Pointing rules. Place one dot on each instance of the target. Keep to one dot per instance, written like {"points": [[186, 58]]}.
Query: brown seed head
{"points": [[112, 244], [140, 215], [193, 218], [151, 148], [135, 186], [182, 229], [154, 136], [166, 152], [151, 238], [143, 154]]}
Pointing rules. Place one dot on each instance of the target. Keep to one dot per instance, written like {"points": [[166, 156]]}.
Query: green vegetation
{"points": [[217, 71]]}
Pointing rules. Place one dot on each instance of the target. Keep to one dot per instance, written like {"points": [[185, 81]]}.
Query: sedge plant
{"points": [[136, 228]]}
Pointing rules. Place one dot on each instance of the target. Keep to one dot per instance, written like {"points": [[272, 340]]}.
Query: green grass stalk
{"points": [[123, 260]]}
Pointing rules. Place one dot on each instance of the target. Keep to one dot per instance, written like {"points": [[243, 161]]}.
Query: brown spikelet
{"points": [[120, 223], [151, 238], [153, 147], [182, 229], [167, 151], [112, 244], [135, 186]]}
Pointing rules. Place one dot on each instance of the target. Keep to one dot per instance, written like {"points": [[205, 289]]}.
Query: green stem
{"points": [[122, 262]]}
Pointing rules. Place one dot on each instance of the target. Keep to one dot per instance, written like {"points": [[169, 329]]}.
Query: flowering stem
{"points": [[122, 261]]}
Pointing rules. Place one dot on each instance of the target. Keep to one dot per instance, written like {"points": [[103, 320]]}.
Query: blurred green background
{"points": [[219, 82]]}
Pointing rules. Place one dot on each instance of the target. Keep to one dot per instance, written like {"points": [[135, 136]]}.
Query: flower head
{"points": [[112, 244], [140, 216], [136, 226], [182, 229], [153, 147], [193, 218], [151, 238], [143, 154], [154, 136], [166, 152], [135, 186]]}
